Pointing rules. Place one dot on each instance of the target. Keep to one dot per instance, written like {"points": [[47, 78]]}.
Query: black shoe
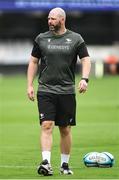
{"points": [[45, 168], [65, 169]]}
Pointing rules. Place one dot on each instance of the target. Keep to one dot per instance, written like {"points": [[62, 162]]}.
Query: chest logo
{"points": [[68, 41], [49, 40]]}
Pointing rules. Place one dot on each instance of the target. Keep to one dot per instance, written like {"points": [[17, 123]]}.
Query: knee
{"points": [[65, 131], [47, 126]]}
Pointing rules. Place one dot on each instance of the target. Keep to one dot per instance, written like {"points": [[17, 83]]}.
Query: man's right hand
{"points": [[31, 93]]}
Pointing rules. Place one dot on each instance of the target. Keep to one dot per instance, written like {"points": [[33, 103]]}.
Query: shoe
{"points": [[45, 169], [65, 169]]}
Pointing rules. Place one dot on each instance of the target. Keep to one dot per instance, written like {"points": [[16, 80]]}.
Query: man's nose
{"points": [[49, 21]]}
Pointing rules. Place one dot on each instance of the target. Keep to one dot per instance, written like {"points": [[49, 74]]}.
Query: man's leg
{"points": [[46, 145], [65, 147], [65, 139], [46, 135]]}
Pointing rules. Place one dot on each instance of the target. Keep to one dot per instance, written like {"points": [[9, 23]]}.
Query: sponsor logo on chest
{"points": [[58, 47], [63, 46]]}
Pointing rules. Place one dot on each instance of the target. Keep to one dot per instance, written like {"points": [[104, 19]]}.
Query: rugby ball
{"points": [[96, 159], [105, 160], [90, 159]]}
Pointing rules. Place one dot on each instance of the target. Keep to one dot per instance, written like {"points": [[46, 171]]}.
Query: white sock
{"points": [[65, 158], [46, 155]]}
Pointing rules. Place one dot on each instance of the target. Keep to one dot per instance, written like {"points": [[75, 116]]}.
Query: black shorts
{"points": [[60, 108]]}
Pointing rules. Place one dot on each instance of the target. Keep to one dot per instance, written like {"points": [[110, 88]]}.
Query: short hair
{"points": [[59, 11]]}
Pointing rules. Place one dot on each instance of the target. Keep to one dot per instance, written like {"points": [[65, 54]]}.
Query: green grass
{"points": [[97, 130]]}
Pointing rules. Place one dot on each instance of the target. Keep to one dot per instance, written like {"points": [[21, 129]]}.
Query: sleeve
{"points": [[36, 50], [82, 50]]}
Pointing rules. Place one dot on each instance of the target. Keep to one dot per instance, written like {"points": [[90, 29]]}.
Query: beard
{"points": [[55, 28]]}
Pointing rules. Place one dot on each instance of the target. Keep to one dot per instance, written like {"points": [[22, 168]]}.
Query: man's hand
{"points": [[82, 87], [31, 93]]}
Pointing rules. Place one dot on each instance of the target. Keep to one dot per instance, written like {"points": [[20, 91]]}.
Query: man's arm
{"points": [[32, 70], [86, 66]]}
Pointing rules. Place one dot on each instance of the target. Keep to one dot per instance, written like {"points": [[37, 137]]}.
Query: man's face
{"points": [[54, 22]]}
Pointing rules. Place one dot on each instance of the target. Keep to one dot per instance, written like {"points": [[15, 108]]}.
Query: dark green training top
{"points": [[58, 54]]}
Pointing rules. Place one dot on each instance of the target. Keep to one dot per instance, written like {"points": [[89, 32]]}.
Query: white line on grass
{"points": [[20, 166], [30, 167], [34, 167]]}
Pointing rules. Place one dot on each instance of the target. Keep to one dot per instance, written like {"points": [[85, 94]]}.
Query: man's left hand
{"points": [[82, 87]]}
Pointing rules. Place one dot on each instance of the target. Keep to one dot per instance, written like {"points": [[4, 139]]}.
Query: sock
{"points": [[46, 155], [65, 158]]}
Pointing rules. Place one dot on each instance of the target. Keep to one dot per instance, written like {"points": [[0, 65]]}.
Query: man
{"points": [[57, 50]]}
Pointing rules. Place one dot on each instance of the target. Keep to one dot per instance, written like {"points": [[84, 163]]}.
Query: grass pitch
{"points": [[97, 130]]}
